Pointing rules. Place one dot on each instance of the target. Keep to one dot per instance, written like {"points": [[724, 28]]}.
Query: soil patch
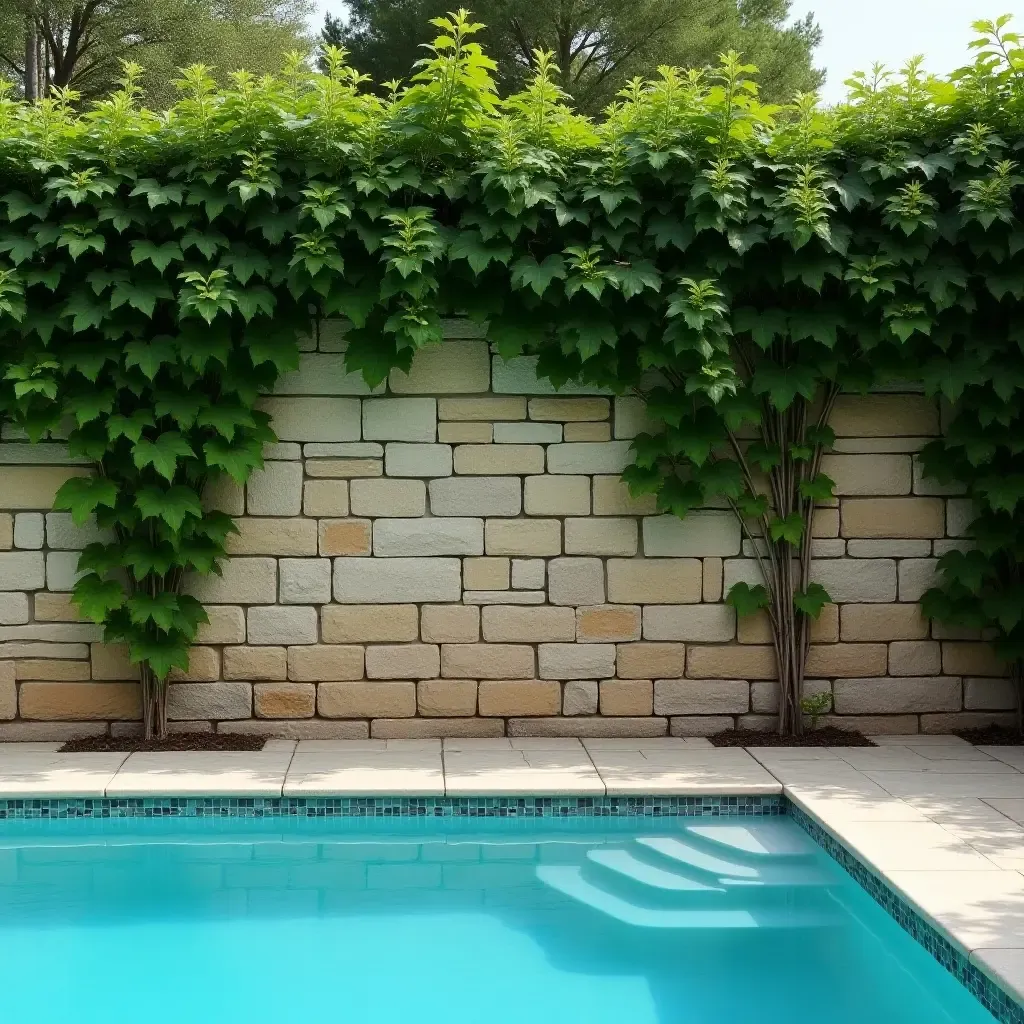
{"points": [[991, 736], [176, 741], [829, 736]]}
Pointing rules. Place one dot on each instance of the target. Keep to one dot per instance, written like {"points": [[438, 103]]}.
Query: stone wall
{"points": [[455, 554]]}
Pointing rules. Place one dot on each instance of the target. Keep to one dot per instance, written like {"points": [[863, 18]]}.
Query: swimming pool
{"points": [[632, 920]]}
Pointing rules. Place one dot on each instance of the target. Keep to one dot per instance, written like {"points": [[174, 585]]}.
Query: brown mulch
{"points": [[991, 736], [829, 736], [176, 741]]}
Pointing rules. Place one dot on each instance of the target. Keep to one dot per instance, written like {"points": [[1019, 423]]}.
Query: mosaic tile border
{"points": [[392, 807], [1000, 1004]]}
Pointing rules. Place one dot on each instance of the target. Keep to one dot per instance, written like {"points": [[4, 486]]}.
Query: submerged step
{"points": [[677, 850], [759, 839], [622, 862]]}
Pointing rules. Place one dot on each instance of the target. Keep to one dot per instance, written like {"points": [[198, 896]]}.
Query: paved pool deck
{"points": [[941, 821]]}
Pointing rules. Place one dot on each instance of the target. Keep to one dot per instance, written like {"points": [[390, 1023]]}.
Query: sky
{"points": [[856, 33]]}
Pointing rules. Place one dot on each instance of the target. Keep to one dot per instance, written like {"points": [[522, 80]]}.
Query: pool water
{"points": [[460, 921]]}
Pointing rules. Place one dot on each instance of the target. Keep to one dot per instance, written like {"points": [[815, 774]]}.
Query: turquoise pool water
{"points": [[448, 921]]}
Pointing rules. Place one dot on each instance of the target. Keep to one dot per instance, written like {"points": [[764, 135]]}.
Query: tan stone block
{"points": [[465, 433], [284, 700], [611, 536], [826, 523], [222, 494], [325, 662], [654, 580], [486, 573], [411, 661], [325, 498], [711, 590], [251, 663], [110, 661], [576, 581], [989, 694], [272, 536], [893, 517], [712, 661], [446, 698], [450, 624], [56, 608], [486, 661], [50, 670], [971, 659], [699, 725], [523, 536], [504, 697], [588, 432], [882, 622], [420, 728], [575, 661], [885, 416], [588, 726], [608, 623], [511, 407], [869, 474], [299, 729], [915, 658], [344, 468], [344, 536], [612, 498], [701, 697], [75, 702], [756, 629], [943, 724], [568, 410], [8, 691], [34, 487], [846, 660], [885, 695], [499, 459], [6, 531], [393, 498], [626, 696], [649, 661], [526, 624], [556, 495], [454, 366], [369, 623], [367, 699], [226, 625], [243, 581], [203, 667]]}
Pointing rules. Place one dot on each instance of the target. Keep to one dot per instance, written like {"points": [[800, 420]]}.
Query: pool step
{"points": [[623, 862], [756, 840]]}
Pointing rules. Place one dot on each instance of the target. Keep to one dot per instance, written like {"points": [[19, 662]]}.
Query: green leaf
{"points": [[811, 600], [788, 529], [163, 453], [161, 654], [149, 357], [128, 426], [783, 384], [237, 460], [81, 496], [747, 600], [820, 488], [96, 598], [161, 256], [171, 505], [470, 246], [161, 609], [528, 273]]}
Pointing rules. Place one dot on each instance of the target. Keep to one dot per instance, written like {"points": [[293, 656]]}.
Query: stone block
{"points": [[882, 622], [6, 531], [369, 623], [701, 622], [764, 697], [397, 580], [916, 575], [344, 537], [885, 416], [698, 535], [437, 535], [860, 580], [868, 474], [608, 623], [945, 723], [23, 570], [960, 658], [476, 496], [344, 468], [893, 517], [599, 536], [579, 697], [960, 514], [110, 661], [33, 487], [265, 536], [12, 649], [303, 729], [343, 450], [284, 700], [76, 702], [313, 419], [502, 460], [592, 726], [654, 580], [518, 376], [391, 498], [915, 658], [650, 661], [453, 367], [325, 662], [54, 670], [527, 433], [8, 691], [730, 662], [465, 433], [829, 661], [569, 410], [275, 490], [29, 530], [576, 581], [557, 496], [251, 663], [486, 661], [523, 537], [203, 667], [367, 699], [896, 696], [61, 570], [711, 589], [493, 407], [321, 373], [589, 457], [401, 459], [503, 697], [222, 494], [417, 728], [888, 548], [483, 597], [990, 695], [13, 609], [626, 696], [701, 697], [450, 624], [446, 698], [285, 451], [575, 661], [631, 417], [195, 701], [513, 624], [527, 573], [698, 725], [409, 661], [400, 419], [486, 573], [305, 580], [276, 625], [54, 608], [587, 432], [612, 498], [756, 628]]}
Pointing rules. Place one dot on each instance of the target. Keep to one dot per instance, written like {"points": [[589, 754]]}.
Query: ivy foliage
{"points": [[737, 264]]}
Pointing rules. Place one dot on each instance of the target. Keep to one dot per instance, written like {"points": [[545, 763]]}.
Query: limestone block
{"points": [[465, 433], [6, 531], [828, 661], [275, 625], [22, 570], [76, 702], [284, 451], [344, 536], [915, 658], [861, 580], [203, 667], [631, 417], [597, 725], [453, 367], [650, 661], [868, 474], [46, 669], [730, 662], [493, 407], [449, 624], [251, 663], [527, 573], [518, 376], [400, 419], [929, 485], [446, 698], [569, 409], [576, 581], [557, 495], [367, 699], [960, 514], [523, 537], [321, 374], [344, 468], [502, 697], [284, 700], [608, 623], [303, 729], [589, 457], [29, 530], [711, 584], [409, 661], [988, 695], [331, 334], [8, 691], [11, 650], [486, 573], [222, 494], [53, 607], [916, 575], [416, 728], [36, 453], [756, 628], [34, 487], [594, 536], [305, 580], [882, 622], [391, 498], [368, 623], [527, 433], [402, 459], [701, 697], [579, 697], [889, 548], [893, 517], [325, 662], [486, 661], [13, 609], [612, 498], [63, 535], [698, 535], [885, 416], [194, 701], [698, 725], [575, 661], [483, 597], [654, 580], [499, 459], [514, 624], [276, 490], [313, 419], [325, 498], [587, 432], [960, 658], [626, 696], [437, 535], [61, 569], [343, 450], [476, 496], [266, 536], [896, 696], [110, 661], [397, 581], [764, 697]]}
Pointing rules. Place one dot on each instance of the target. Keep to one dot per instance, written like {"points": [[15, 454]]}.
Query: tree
{"points": [[598, 44]]}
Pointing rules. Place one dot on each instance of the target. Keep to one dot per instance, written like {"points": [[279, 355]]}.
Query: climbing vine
{"points": [[735, 264]]}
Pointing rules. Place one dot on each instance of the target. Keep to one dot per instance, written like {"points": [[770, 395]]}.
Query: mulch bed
{"points": [[176, 741], [829, 736], [991, 736]]}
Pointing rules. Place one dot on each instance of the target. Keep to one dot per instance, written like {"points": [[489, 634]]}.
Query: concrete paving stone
{"points": [[532, 769], [395, 768], [1004, 966], [202, 773], [43, 774]]}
